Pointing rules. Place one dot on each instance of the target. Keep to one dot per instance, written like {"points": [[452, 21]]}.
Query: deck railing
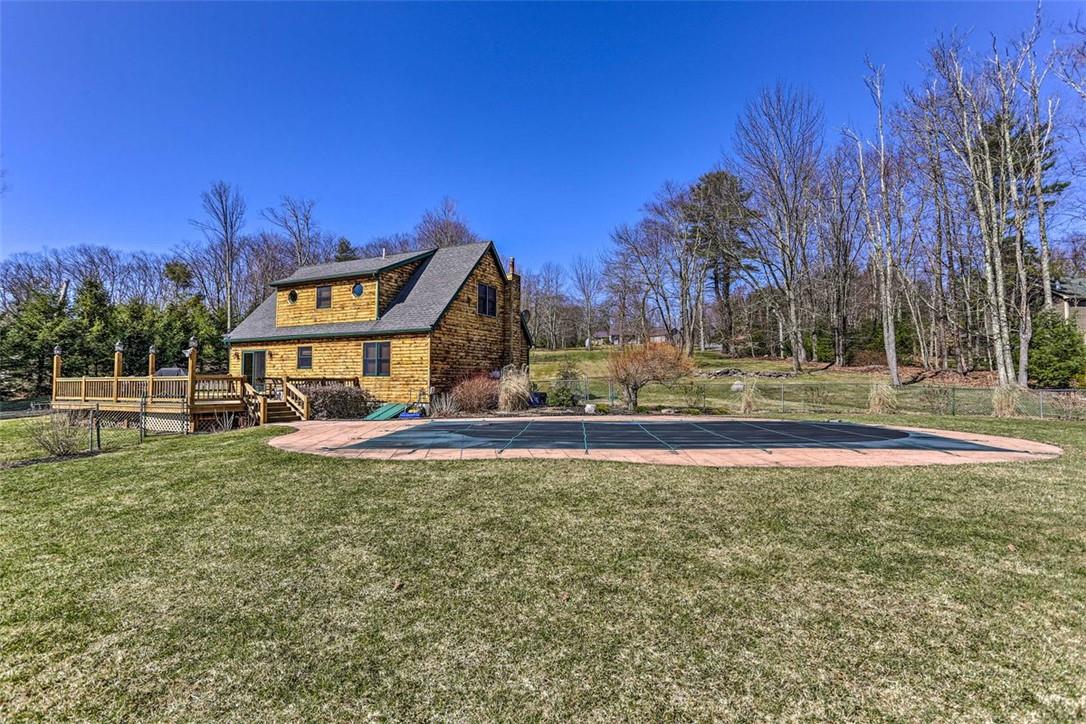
{"points": [[207, 388]]}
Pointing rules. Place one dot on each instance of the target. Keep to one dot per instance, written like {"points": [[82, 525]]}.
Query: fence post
{"points": [[782, 397], [90, 432], [1042, 394], [953, 401]]}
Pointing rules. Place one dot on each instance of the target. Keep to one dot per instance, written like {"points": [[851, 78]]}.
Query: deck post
{"points": [[118, 367], [56, 369], [152, 362], [83, 389], [191, 354], [263, 409]]}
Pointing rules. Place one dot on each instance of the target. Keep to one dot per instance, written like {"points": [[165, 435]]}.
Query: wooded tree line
{"points": [[86, 298], [932, 238]]}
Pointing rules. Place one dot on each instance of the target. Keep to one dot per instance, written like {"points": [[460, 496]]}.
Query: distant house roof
{"points": [[1070, 288], [601, 335], [352, 268], [417, 308], [170, 372]]}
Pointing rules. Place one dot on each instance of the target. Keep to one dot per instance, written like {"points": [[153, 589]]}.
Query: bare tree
{"points": [[586, 282], [779, 143], [880, 226], [294, 218], [443, 226], [224, 218]]}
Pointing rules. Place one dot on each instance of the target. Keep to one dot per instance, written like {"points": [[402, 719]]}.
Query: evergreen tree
{"points": [[344, 250], [27, 338], [96, 334], [1057, 352]]}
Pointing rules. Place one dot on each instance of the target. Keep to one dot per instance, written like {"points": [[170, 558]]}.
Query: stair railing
{"points": [[297, 399], [255, 403]]}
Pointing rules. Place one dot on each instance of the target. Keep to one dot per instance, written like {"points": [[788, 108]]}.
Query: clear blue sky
{"points": [[549, 124]]}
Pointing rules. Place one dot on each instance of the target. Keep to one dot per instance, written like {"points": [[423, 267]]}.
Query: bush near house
{"points": [[338, 402], [476, 394], [1057, 355], [635, 366]]}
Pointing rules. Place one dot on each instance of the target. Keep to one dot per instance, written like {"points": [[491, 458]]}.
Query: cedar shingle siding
{"points": [[424, 304]]}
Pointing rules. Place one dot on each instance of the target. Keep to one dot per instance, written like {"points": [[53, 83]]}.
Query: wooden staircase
{"points": [[279, 411]]}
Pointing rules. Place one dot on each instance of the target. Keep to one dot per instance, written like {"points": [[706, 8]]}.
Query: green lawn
{"points": [[212, 576]]}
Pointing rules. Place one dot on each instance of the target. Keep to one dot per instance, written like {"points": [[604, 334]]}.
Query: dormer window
{"points": [[324, 297], [292, 296], [357, 289]]}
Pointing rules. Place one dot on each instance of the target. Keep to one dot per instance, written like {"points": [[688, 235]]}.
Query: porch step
{"points": [[279, 411]]}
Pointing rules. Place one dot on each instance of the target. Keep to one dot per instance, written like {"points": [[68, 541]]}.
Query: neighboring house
{"points": [[660, 334], [1070, 297], [403, 324], [602, 338]]}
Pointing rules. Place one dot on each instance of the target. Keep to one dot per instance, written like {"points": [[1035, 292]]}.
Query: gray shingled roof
{"points": [[1073, 288], [353, 268], [417, 307]]}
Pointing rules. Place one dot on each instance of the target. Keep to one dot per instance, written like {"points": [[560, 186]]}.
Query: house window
{"points": [[488, 300], [292, 296], [305, 358], [376, 358], [358, 289], [324, 297]]}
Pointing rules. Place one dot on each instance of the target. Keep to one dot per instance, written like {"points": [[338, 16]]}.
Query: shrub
{"points": [[337, 402], [1005, 400], [57, 434], [567, 387], [443, 405], [635, 366], [1057, 354], [476, 394], [514, 389], [693, 394], [882, 400]]}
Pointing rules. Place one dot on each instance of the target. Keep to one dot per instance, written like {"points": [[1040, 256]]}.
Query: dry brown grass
{"points": [[515, 389], [882, 400], [1005, 400]]}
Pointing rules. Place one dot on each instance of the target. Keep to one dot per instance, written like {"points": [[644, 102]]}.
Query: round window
{"points": [[292, 296], [357, 289]]}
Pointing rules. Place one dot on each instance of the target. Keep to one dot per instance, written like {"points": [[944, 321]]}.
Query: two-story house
{"points": [[403, 324]]}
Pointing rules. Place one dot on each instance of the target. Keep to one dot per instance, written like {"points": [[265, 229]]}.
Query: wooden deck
{"points": [[199, 397]]}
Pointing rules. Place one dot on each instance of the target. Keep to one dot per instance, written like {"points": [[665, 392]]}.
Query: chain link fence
{"points": [[724, 396]]}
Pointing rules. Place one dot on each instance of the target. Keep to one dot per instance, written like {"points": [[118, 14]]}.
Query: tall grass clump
{"points": [[515, 389], [443, 405], [1005, 400], [882, 400], [748, 396]]}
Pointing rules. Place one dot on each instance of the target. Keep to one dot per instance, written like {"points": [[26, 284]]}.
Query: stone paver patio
{"points": [[360, 440]]}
